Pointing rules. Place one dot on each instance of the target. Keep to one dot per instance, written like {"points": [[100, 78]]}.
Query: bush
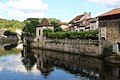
{"points": [[74, 35], [58, 29], [107, 51], [10, 33], [46, 31]]}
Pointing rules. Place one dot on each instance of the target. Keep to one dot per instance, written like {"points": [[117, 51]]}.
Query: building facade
{"points": [[40, 27], [83, 22], [109, 26]]}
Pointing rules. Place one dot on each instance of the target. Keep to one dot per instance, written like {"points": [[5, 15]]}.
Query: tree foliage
{"points": [[10, 33], [74, 35], [46, 31], [58, 29], [11, 25], [30, 25]]}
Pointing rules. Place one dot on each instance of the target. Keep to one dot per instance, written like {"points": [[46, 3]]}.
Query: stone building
{"points": [[109, 25], [40, 27], [39, 40], [64, 26], [83, 22], [93, 23], [79, 22]]}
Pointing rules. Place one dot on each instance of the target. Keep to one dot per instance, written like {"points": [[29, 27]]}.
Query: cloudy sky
{"points": [[61, 9]]}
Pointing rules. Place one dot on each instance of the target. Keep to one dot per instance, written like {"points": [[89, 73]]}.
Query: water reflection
{"points": [[73, 64], [9, 45], [28, 59], [36, 64], [80, 66]]}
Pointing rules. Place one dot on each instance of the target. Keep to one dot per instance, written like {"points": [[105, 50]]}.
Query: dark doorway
{"points": [[119, 47]]}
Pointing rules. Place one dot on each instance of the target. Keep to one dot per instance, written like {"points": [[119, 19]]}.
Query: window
{"points": [[92, 26], [116, 47], [103, 33], [39, 32]]}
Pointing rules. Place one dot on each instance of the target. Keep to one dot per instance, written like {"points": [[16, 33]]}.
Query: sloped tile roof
{"points": [[111, 12], [62, 23], [44, 22], [76, 18]]}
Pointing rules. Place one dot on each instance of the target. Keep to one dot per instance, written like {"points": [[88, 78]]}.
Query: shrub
{"points": [[107, 51], [46, 31], [10, 33], [74, 35]]}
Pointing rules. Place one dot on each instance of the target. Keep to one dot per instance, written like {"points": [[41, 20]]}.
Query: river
{"points": [[36, 64]]}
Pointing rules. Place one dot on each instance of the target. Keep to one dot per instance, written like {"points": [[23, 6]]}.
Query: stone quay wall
{"points": [[76, 46]]}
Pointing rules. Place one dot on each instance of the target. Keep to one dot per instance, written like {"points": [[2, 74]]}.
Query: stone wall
{"points": [[85, 47]]}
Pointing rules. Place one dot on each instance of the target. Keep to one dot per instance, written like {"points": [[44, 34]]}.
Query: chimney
{"points": [[87, 15]]}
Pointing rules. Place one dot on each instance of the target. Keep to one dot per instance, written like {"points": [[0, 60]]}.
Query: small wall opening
{"points": [[39, 32], [118, 47]]}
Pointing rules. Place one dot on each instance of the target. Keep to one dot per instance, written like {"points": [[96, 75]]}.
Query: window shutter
{"points": [[103, 32], [115, 47]]}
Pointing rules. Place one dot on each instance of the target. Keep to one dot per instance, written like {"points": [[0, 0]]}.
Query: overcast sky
{"points": [[64, 10]]}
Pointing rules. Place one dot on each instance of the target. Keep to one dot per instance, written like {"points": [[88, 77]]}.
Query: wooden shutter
{"points": [[103, 32]]}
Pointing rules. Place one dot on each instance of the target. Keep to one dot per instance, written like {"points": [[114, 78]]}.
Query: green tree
{"points": [[30, 25], [46, 31], [58, 29], [10, 33], [4, 23]]}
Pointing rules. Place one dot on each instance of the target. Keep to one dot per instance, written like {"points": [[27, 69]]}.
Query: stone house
{"points": [[40, 27], [78, 22], [64, 26], [83, 22], [109, 26], [39, 40], [93, 23]]}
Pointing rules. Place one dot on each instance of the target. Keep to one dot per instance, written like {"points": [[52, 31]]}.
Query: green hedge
{"points": [[93, 34]]}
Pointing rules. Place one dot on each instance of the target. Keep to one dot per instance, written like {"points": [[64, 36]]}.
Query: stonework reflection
{"points": [[77, 65]]}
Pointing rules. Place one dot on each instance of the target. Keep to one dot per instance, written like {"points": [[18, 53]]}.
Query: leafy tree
{"points": [[4, 23], [55, 24], [10, 33], [58, 29], [46, 31], [54, 20], [30, 26]]}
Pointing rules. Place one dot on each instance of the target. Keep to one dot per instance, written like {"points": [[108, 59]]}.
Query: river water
{"points": [[36, 64]]}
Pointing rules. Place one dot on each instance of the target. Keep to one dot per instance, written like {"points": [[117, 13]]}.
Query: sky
{"points": [[65, 10]]}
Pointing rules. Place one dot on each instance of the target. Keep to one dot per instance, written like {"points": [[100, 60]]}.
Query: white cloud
{"points": [[22, 9], [110, 3], [27, 4]]}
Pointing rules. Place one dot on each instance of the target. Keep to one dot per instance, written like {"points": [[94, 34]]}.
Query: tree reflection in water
{"points": [[48, 61], [10, 46], [28, 59]]}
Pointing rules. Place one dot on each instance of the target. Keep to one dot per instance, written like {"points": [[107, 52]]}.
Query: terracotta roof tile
{"points": [[62, 23], [76, 18], [44, 22], [111, 12], [91, 20]]}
